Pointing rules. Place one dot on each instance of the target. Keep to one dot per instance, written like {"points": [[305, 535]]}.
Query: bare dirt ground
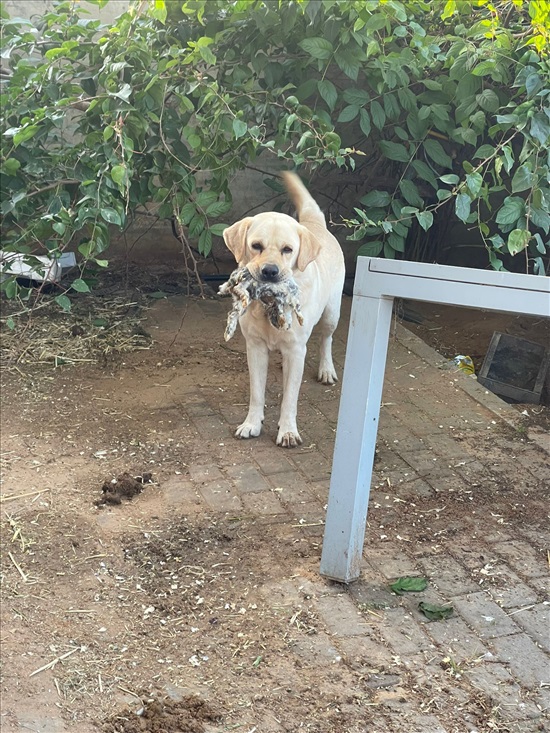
{"points": [[156, 613]]}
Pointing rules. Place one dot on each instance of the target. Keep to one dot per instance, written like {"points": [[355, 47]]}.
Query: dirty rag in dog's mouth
{"points": [[279, 299]]}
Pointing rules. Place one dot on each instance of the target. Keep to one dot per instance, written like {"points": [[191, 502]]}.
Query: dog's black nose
{"points": [[270, 272]]}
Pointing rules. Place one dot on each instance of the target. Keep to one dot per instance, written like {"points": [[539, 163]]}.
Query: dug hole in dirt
{"points": [[195, 605]]}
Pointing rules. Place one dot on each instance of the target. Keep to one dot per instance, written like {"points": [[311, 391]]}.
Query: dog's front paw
{"points": [[289, 439], [327, 375], [248, 430]]}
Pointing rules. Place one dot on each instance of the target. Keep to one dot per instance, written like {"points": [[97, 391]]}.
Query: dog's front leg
{"points": [[293, 370], [258, 359]]}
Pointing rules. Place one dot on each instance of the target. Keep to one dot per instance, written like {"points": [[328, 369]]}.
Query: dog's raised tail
{"points": [[306, 206]]}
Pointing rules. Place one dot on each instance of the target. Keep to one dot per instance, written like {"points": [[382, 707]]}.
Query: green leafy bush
{"points": [[428, 109]]}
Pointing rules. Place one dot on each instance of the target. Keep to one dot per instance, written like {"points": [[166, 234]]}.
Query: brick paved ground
{"points": [[459, 497]]}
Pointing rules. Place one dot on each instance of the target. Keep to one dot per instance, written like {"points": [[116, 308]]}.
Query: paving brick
{"points": [[221, 496], [509, 591], [403, 634], [200, 473], [455, 640], [292, 489], [262, 503], [271, 461], [312, 464], [503, 692], [247, 478], [448, 575], [484, 615], [523, 558], [341, 616], [390, 560], [212, 427], [424, 724], [529, 664], [197, 408], [536, 622], [182, 494], [373, 596], [368, 656], [317, 649], [423, 461]]}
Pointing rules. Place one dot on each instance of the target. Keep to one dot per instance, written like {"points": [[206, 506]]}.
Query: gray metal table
{"points": [[377, 283]]}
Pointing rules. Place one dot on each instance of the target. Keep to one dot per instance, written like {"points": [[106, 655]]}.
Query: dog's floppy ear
{"points": [[309, 248], [235, 238]]}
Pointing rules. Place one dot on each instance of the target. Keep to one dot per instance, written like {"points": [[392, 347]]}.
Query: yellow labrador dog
{"points": [[273, 247]]}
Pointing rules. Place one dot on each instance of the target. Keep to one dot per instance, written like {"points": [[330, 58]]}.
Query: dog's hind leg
{"points": [[327, 324]]}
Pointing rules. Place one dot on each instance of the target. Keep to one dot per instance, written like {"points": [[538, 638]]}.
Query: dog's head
{"points": [[272, 246]]}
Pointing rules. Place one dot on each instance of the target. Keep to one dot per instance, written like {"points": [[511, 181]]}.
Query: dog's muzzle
{"points": [[270, 273]]}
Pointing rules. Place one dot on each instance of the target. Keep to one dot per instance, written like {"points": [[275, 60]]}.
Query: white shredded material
{"points": [[279, 299]]}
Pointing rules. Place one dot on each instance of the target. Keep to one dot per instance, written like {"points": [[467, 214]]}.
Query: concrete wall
{"points": [[32, 8]]}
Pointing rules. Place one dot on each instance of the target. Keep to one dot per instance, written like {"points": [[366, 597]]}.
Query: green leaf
{"points": [[349, 113], [540, 128], [449, 9], [533, 84], [462, 206], [111, 215], [364, 122], [409, 584], [410, 193], [370, 249], [159, 10], [240, 128], [64, 302], [158, 295], [24, 134], [484, 151], [218, 208], [378, 115], [396, 242], [424, 171], [488, 100], [218, 229], [522, 180], [425, 219], [11, 166], [118, 174], [484, 68], [540, 218], [518, 239], [319, 48], [435, 613], [357, 97], [376, 199], [10, 323], [436, 152], [328, 92], [80, 286], [376, 22], [407, 99], [207, 55], [395, 151], [512, 209], [474, 181], [348, 61], [205, 242], [100, 322], [123, 93]]}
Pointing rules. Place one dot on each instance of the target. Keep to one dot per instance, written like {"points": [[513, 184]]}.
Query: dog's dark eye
{"points": [[286, 250], [257, 246]]}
